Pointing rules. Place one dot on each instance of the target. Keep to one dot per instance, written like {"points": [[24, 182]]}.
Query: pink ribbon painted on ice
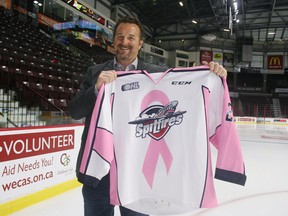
{"points": [[156, 147]]}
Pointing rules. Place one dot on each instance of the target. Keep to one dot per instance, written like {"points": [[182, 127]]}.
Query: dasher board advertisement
{"points": [[34, 159]]}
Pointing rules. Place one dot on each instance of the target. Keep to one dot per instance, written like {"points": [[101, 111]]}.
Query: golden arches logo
{"points": [[274, 61]]}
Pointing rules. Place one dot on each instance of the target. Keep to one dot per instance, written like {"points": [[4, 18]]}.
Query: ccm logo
{"points": [[181, 82]]}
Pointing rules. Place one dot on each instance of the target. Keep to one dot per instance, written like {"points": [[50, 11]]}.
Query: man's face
{"points": [[127, 43]]}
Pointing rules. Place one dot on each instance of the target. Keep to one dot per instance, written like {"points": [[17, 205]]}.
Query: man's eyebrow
{"points": [[129, 35]]}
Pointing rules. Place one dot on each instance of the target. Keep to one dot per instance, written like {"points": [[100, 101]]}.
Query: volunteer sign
{"points": [[31, 144], [32, 159]]}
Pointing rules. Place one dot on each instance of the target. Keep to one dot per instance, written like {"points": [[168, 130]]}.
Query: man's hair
{"points": [[131, 20]]}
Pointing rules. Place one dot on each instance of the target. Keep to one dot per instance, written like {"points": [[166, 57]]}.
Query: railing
{"points": [[8, 120]]}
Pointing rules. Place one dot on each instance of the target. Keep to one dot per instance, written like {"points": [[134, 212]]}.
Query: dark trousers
{"points": [[97, 201]]}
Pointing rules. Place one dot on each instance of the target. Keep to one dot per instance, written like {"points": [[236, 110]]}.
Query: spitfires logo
{"points": [[156, 120]]}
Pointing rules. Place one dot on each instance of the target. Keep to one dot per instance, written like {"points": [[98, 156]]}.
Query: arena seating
{"points": [[98, 53], [256, 105], [41, 71], [283, 99], [45, 66]]}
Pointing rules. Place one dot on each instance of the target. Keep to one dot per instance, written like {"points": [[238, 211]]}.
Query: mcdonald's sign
{"points": [[275, 62]]}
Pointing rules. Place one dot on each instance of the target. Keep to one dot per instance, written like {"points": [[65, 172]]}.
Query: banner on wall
{"points": [[6, 4], [86, 11], [35, 159], [218, 57], [228, 59], [21, 9], [205, 55], [275, 62], [42, 19]]}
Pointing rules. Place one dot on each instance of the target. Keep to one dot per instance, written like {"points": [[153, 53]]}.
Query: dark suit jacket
{"points": [[83, 103]]}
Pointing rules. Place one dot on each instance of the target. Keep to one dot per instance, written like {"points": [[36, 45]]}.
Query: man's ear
{"points": [[141, 42]]}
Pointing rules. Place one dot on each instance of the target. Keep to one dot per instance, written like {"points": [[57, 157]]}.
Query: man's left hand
{"points": [[216, 68]]}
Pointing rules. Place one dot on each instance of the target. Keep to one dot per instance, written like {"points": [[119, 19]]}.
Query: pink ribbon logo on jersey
{"points": [[155, 121]]}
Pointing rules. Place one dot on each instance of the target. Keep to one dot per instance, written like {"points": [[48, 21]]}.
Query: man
{"points": [[127, 43]]}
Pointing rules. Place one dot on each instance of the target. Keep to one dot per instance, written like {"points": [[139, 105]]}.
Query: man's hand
{"points": [[105, 77], [216, 68]]}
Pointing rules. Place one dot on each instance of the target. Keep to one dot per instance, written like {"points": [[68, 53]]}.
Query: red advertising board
{"points": [[26, 145], [275, 62], [205, 55]]}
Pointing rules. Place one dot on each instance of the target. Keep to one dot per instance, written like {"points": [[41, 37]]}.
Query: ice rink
{"points": [[265, 151]]}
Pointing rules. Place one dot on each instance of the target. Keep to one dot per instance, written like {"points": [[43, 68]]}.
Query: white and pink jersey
{"points": [[153, 133]]}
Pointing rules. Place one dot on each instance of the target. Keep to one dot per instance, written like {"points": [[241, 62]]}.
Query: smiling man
{"points": [[127, 43]]}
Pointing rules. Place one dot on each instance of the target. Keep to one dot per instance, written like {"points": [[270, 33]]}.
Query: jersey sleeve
{"points": [[229, 163], [98, 152]]}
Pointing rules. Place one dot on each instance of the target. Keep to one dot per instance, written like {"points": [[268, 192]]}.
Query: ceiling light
{"points": [[227, 30], [37, 3], [271, 33], [194, 21], [181, 3]]}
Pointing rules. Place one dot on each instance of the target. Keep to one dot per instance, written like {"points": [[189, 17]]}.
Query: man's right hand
{"points": [[105, 77]]}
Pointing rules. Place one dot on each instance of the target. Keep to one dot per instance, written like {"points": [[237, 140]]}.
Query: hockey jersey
{"points": [[153, 133]]}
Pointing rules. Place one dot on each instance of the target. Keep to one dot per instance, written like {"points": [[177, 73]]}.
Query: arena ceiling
{"points": [[169, 25]]}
